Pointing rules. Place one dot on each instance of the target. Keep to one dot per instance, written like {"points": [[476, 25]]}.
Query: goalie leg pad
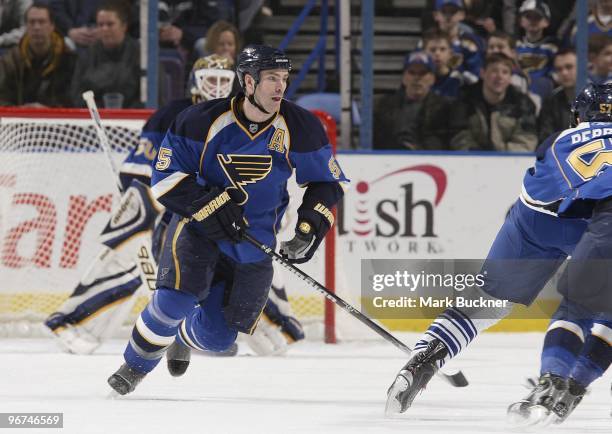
{"points": [[107, 281], [135, 214]]}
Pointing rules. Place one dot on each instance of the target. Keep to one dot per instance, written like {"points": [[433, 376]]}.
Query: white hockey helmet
{"points": [[211, 77]]}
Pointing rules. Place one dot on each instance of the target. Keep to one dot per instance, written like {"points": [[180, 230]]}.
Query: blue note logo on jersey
{"points": [[242, 170]]}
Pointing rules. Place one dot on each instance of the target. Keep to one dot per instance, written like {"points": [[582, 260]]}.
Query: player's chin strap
{"points": [[251, 99]]}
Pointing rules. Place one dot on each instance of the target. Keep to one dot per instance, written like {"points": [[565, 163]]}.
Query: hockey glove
{"points": [[220, 218], [311, 228]]}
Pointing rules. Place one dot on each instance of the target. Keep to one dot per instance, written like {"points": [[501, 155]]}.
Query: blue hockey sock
{"points": [[595, 357], [156, 328], [453, 328], [205, 328], [562, 345]]}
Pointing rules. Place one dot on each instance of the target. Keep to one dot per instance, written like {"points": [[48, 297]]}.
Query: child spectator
{"points": [[468, 48], [438, 45], [536, 51], [411, 117], [493, 115], [37, 72], [600, 58], [556, 117], [501, 42]]}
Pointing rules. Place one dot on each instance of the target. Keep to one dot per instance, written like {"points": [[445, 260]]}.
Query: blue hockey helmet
{"points": [[593, 104], [256, 58]]}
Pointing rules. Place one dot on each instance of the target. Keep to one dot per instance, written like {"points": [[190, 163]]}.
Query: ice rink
{"points": [[315, 389]]}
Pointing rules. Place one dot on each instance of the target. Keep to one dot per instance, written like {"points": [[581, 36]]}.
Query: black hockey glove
{"points": [[311, 228], [220, 218]]}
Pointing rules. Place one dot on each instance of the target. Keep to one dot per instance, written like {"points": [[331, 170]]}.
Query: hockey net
{"points": [[56, 194]]}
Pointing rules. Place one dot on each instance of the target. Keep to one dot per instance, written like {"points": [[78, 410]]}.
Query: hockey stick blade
{"points": [[456, 379]]}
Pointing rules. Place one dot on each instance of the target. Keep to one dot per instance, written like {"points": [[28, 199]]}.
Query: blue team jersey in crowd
{"points": [[467, 56], [209, 145], [536, 58], [139, 162], [571, 171]]}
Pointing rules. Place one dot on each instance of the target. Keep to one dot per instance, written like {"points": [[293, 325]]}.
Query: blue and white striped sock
{"points": [[453, 328]]}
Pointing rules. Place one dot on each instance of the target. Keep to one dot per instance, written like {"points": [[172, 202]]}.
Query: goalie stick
{"points": [[146, 265], [456, 379]]}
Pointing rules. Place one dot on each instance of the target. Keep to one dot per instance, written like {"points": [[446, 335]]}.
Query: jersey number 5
{"points": [[163, 159], [602, 157]]}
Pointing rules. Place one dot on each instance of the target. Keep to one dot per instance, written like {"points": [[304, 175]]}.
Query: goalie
{"points": [[108, 290]]}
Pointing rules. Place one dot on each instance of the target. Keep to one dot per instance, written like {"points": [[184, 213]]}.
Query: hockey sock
{"points": [[205, 328], [156, 328], [455, 329], [562, 344], [595, 357]]}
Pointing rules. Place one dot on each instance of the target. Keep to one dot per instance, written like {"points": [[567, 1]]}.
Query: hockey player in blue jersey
{"points": [[222, 169], [569, 184], [107, 292]]}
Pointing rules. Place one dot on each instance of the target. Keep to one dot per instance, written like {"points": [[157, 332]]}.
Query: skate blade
{"points": [[113, 394], [534, 416], [393, 406]]}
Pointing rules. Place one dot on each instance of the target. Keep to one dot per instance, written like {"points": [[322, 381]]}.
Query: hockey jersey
{"points": [[210, 145], [139, 162], [571, 171]]}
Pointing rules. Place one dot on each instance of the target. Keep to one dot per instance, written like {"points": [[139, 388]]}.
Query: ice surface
{"points": [[315, 389]]}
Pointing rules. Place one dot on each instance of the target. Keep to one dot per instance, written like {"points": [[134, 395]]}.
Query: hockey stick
{"points": [[456, 379], [144, 258]]}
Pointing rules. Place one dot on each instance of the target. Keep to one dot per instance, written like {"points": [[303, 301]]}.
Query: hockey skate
{"points": [[536, 408], [178, 357], [414, 377], [125, 379], [568, 401]]}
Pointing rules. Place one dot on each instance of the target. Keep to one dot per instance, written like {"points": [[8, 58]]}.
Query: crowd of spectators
{"points": [[54, 50], [487, 75], [492, 74]]}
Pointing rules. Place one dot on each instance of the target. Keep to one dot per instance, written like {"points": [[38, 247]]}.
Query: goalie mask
{"points": [[211, 77]]}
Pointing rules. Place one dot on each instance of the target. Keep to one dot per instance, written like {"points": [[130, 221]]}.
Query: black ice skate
{"points": [[414, 377], [178, 356], [125, 379], [536, 408], [568, 401]]}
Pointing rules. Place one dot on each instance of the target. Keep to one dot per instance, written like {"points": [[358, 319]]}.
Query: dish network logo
{"points": [[392, 218]]}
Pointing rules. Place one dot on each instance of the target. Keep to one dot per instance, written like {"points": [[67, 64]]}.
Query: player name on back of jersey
{"points": [[593, 133]]}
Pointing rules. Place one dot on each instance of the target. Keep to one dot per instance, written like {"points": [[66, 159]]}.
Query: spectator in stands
{"points": [[600, 58], [12, 24], [77, 19], [556, 117], [501, 42], [599, 21], [492, 115], [112, 64], [412, 117], [37, 72], [483, 16], [223, 39], [438, 45], [468, 48], [184, 24], [535, 50]]}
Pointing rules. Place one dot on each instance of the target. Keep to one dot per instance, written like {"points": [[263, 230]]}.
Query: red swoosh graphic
{"points": [[362, 233], [362, 222], [435, 172]]}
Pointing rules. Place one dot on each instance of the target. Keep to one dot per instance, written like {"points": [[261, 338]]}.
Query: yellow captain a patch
{"points": [[278, 141], [242, 170]]}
